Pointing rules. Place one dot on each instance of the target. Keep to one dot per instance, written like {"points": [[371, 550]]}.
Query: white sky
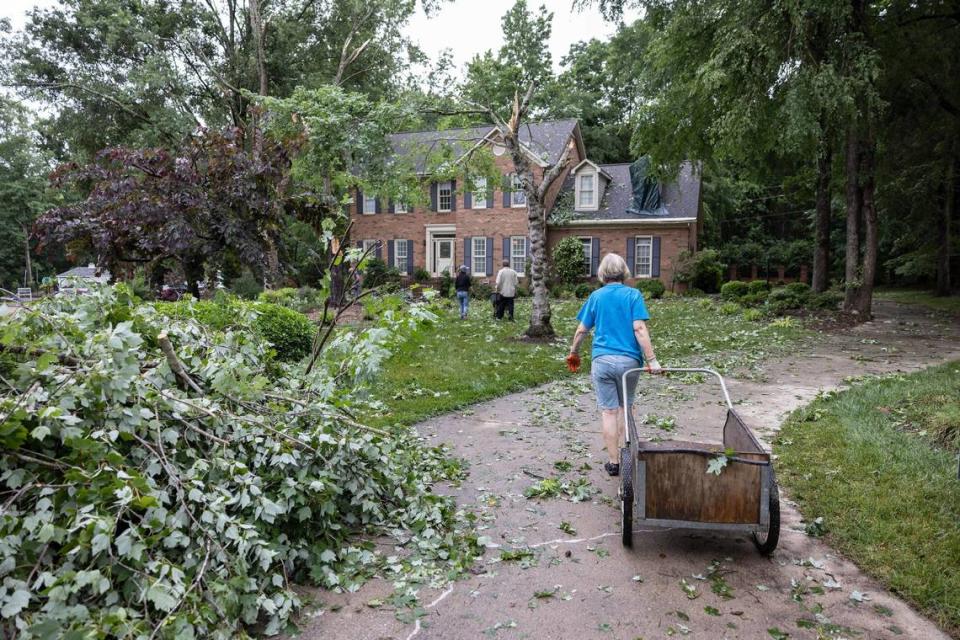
{"points": [[467, 27]]}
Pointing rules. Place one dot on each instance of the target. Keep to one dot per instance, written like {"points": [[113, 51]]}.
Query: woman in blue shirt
{"points": [[621, 341]]}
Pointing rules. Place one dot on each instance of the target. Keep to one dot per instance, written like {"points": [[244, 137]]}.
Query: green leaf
{"points": [[16, 602]]}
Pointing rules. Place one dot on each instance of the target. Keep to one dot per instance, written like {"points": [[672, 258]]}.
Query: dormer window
{"points": [[586, 191]]}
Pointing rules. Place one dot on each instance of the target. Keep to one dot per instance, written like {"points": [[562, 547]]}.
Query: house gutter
{"points": [[632, 222]]}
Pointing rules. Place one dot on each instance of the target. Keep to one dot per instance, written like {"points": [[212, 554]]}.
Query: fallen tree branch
{"points": [[185, 381]]}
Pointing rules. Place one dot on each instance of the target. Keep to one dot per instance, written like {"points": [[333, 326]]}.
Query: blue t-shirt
{"points": [[611, 310]]}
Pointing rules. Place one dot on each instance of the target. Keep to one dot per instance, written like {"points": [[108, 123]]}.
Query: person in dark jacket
{"points": [[462, 285]]}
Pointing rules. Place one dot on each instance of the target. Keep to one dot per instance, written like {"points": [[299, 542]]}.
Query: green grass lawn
{"points": [[456, 363], [878, 463], [948, 304]]}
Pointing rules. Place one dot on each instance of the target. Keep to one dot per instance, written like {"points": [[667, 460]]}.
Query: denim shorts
{"points": [[606, 373]]}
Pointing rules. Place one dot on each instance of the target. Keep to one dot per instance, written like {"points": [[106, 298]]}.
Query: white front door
{"points": [[443, 255]]}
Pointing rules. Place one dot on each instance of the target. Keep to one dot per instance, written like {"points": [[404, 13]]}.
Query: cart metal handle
{"points": [[623, 380]]}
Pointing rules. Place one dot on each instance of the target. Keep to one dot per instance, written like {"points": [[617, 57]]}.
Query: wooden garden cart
{"points": [[666, 485]]}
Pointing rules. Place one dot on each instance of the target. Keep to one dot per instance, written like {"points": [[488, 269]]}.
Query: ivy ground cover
{"points": [[457, 363], [878, 464]]}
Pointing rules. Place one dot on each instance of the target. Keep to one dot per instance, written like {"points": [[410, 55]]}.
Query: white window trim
{"points": [[522, 256], [400, 207], [515, 182], [367, 243], [480, 194], [396, 256], [587, 253], [363, 205], [473, 255], [448, 185], [593, 206], [636, 257]]}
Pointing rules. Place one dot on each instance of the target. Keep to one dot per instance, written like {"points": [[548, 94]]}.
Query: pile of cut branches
{"points": [[159, 480]]}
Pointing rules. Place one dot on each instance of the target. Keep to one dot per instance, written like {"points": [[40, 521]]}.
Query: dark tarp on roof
{"points": [[679, 198], [546, 140]]}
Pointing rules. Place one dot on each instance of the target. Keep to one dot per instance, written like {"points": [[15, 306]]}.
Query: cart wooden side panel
{"points": [[677, 487]]}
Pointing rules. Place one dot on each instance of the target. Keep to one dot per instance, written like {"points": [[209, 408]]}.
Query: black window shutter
{"points": [[594, 256], [489, 256], [359, 201], [409, 257], [359, 244], [655, 258], [453, 195], [490, 197], [507, 186], [528, 248], [390, 252], [467, 253], [376, 205], [433, 196], [632, 254], [506, 248], [379, 252], [391, 208], [467, 200]]}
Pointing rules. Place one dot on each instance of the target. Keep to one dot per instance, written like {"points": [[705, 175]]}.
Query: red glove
{"points": [[573, 362]]}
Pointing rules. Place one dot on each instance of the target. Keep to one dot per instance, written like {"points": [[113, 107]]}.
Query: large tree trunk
{"points": [[864, 302], [854, 208], [540, 313], [943, 228], [540, 325], [821, 247]]}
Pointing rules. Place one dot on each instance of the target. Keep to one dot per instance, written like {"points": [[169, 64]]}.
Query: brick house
{"points": [[603, 205]]}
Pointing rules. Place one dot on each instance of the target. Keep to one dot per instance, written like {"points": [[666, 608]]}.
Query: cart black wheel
{"points": [[626, 496], [766, 541]]}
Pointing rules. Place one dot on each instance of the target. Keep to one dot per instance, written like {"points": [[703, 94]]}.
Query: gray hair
{"points": [[613, 268], [463, 268]]}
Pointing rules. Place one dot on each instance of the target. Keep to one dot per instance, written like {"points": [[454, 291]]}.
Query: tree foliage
{"points": [[161, 478], [194, 205]]}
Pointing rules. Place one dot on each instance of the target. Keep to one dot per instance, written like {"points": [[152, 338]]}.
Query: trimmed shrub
{"points": [[702, 270], [759, 286], [753, 315], [291, 333], [583, 290], [560, 291], [783, 299], [421, 275], [481, 291], [730, 308], [568, 260], [652, 289], [753, 299], [376, 273], [693, 292], [799, 289], [523, 292], [734, 290]]}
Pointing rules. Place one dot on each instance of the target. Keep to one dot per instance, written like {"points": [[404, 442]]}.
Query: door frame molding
{"points": [[435, 229]]}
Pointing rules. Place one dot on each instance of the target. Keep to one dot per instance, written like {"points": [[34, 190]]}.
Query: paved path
{"points": [[600, 590]]}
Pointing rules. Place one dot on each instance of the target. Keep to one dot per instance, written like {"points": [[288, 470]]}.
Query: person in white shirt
{"points": [[506, 286]]}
